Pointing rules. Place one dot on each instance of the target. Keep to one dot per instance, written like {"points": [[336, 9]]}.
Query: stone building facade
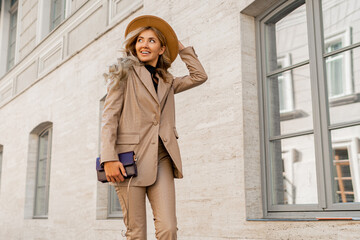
{"points": [[270, 143]]}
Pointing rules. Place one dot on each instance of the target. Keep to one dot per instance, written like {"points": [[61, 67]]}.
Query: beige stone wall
{"points": [[29, 11], [217, 123]]}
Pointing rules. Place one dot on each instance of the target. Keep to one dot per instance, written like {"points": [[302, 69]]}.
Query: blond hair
{"points": [[120, 71]]}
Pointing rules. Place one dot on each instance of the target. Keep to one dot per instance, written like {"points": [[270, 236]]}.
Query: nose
{"points": [[145, 44]]}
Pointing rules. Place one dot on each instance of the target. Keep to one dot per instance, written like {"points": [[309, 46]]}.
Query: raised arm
{"points": [[197, 73]]}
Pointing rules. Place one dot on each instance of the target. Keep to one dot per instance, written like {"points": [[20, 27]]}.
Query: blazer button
{"points": [[164, 139], [155, 123]]}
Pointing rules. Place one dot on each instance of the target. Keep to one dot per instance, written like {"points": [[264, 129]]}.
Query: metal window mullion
{"points": [[278, 71], [265, 120], [317, 95], [260, 75], [341, 50], [36, 178], [48, 162], [290, 135], [344, 125]]}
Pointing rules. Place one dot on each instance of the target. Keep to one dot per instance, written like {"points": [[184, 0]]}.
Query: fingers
{"points": [[112, 171], [123, 171]]}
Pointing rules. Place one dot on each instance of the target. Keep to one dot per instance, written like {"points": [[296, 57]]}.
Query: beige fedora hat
{"points": [[162, 26]]}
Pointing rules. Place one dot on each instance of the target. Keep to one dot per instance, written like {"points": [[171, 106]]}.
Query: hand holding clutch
{"points": [[117, 170], [114, 171]]}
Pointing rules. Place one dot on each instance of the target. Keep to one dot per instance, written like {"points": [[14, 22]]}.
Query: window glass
{"points": [[12, 40], [343, 86], [42, 175], [57, 13], [345, 164], [115, 207], [287, 37], [341, 17], [40, 201], [293, 171], [290, 108], [335, 75]]}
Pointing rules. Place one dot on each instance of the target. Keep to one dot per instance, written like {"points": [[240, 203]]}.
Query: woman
{"points": [[139, 116]]}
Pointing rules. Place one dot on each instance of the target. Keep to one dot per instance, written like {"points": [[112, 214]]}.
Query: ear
{"points": [[162, 50]]}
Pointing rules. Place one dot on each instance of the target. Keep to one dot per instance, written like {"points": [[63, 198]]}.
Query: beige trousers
{"points": [[162, 199]]}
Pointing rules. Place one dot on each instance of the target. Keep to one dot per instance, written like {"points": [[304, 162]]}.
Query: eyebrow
{"points": [[149, 37]]}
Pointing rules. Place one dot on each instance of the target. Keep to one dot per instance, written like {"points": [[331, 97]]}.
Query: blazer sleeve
{"points": [[113, 106], [196, 75]]}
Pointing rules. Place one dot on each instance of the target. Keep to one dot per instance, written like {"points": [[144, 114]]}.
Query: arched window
{"points": [[43, 174], [38, 171]]}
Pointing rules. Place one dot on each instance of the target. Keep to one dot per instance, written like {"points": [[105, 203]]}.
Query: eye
{"points": [[152, 40], [139, 40]]}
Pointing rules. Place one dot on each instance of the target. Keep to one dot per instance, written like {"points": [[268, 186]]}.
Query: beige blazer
{"points": [[135, 116]]}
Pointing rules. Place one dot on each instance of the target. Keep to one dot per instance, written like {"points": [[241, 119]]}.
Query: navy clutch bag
{"points": [[128, 160]]}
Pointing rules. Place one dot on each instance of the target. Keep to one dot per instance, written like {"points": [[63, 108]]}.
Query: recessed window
{"points": [[12, 35], [43, 174], [114, 207], [51, 14], [57, 13]]}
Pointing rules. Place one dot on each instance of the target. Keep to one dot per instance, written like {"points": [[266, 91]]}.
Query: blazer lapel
{"points": [[162, 88], [145, 77]]}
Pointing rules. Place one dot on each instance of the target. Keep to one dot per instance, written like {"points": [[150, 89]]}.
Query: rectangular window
{"points": [[12, 36], [57, 14], [114, 208], [43, 175], [310, 59]]}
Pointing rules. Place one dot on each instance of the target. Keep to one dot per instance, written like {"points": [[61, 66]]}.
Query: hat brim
{"points": [[162, 26]]}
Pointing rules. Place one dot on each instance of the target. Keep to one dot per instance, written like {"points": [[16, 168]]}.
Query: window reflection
{"points": [[290, 108], [339, 17], [287, 37], [343, 85], [345, 164], [293, 174]]}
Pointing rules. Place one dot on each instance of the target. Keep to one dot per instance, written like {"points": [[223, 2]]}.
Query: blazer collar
{"points": [[145, 78]]}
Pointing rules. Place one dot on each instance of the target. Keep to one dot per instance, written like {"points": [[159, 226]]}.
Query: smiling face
{"points": [[148, 47]]}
